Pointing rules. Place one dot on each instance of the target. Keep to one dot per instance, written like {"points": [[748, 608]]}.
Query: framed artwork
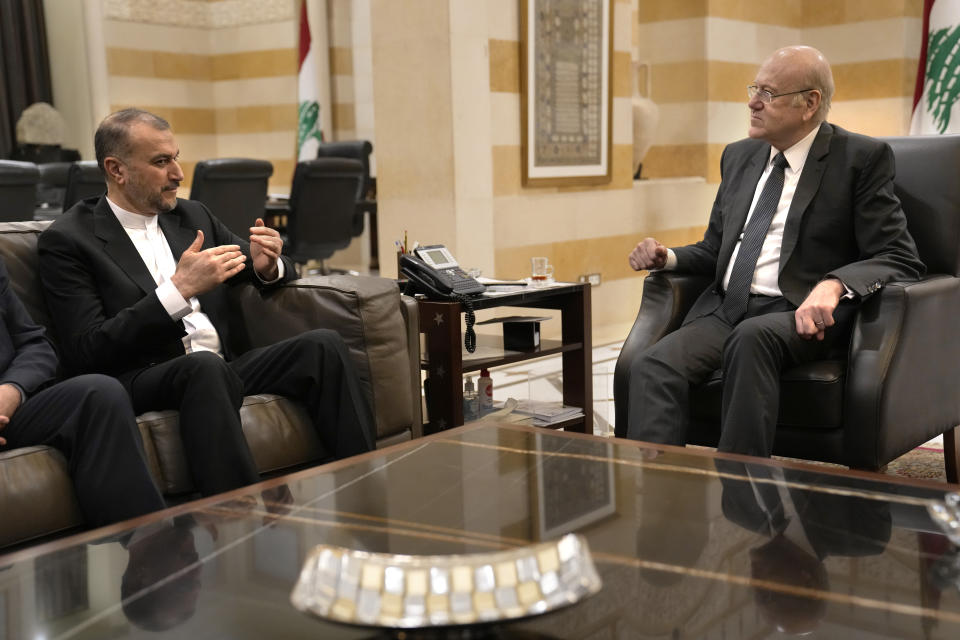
{"points": [[565, 91], [570, 494]]}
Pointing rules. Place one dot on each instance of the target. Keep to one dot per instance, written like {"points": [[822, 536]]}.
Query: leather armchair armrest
{"points": [[373, 321], [667, 297], [904, 362]]}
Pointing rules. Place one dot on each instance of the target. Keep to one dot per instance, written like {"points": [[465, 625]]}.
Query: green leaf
{"points": [[308, 126], [942, 81]]}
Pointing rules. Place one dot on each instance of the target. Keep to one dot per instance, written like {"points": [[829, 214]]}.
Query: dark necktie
{"points": [[738, 288]]}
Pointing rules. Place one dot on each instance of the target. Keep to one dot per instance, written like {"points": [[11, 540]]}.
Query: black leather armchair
{"points": [[235, 190], [18, 190], [323, 214], [84, 180], [897, 386]]}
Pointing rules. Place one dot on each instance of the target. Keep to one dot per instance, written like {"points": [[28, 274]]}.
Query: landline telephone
{"points": [[434, 272]]}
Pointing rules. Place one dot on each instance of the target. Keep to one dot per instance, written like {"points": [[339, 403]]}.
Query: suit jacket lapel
{"points": [[178, 236], [117, 245], [806, 189], [733, 224]]}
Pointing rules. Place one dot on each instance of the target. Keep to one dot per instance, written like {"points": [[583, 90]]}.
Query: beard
{"points": [[149, 199]]}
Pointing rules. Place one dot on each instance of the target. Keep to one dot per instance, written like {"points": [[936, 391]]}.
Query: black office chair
{"points": [[897, 386], [18, 190], [44, 153], [323, 213], [235, 190], [53, 185], [367, 193], [84, 180], [357, 150]]}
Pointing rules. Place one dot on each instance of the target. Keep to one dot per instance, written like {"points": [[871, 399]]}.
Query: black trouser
{"points": [[314, 367], [90, 420], [752, 354]]}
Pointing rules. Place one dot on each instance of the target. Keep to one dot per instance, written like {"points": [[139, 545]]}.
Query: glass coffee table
{"points": [[688, 543]]}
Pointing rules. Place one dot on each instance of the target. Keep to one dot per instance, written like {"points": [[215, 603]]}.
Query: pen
{"points": [[405, 240]]}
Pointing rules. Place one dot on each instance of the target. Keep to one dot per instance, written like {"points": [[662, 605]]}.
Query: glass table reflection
{"points": [[688, 544]]}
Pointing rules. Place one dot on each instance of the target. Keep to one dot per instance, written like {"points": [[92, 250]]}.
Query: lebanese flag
{"points": [[936, 108], [309, 131]]}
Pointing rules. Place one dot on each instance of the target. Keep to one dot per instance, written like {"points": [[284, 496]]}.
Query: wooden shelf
{"points": [[490, 353], [445, 360]]}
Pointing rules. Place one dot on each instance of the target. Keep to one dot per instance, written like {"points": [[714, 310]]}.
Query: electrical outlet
{"points": [[592, 278]]}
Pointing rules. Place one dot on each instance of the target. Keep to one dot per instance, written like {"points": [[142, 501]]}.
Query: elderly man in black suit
{"points": [[88, 418], [136, 282], [805, 225]]}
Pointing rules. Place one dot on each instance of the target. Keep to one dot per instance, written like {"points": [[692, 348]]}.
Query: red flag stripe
{"points": [[922, 62], [305, 34]]}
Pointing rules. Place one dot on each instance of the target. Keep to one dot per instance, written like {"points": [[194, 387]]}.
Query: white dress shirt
{"points": [[766, 275], [155, 251]]}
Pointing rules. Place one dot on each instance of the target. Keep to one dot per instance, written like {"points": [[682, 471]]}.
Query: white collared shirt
{"points": [[767, 272], [147, 237], [766, 275]]}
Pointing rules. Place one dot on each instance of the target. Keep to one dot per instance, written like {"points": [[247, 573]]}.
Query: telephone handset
{"points": [[434, 272]]}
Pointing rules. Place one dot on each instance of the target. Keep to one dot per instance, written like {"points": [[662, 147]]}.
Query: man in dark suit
{"points": [[88, 418], [805, 225], [136, 282]]}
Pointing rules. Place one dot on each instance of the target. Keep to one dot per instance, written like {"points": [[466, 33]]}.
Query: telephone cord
{"points": [[469, 336]]}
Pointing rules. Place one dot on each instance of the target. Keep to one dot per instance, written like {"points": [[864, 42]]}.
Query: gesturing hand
{"points": [[816, 313], [648, 254], [200, 271], [265, 248], [9, 403]]}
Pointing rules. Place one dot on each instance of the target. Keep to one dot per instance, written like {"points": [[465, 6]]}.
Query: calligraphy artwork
{"points": [[566, 91]]}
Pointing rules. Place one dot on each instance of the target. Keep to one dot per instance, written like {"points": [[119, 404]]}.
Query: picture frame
{"points": [[557, 510], [566, 50]]}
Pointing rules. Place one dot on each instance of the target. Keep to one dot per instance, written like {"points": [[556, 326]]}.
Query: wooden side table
{"points": [[445, 364]]}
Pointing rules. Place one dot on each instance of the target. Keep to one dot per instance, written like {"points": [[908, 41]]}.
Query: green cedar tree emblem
{"points": [[309, 126], [943, 65]]}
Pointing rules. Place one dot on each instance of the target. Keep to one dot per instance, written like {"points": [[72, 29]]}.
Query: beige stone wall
{"points": [[448, 133], [703, 54], [223, 73]]}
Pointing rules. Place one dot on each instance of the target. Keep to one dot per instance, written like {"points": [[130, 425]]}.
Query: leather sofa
{"points": [[379, 326]]}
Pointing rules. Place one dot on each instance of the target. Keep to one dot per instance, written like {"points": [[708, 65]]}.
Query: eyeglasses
{"points": [[767, 97]]}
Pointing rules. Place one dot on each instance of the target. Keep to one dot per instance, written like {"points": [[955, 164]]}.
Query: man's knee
{"points": [[105, 389], [650, 363], [207, 371], [105, 408], [207, 366], [751, 335], [324, 338], [322, 344]]}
